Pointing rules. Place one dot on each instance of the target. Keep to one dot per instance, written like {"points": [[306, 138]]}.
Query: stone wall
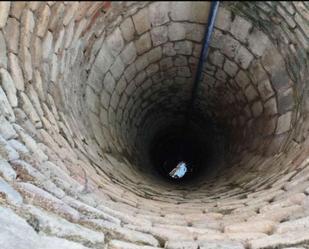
{"points": [[84, 87]]}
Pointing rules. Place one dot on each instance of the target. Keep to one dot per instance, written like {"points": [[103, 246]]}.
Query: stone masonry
{"points": [[85, 85]]}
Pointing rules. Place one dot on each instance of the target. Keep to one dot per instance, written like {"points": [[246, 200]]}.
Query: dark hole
{"points": [[181, 154]]}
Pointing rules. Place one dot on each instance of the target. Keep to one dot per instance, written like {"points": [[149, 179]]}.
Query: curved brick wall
{"points": [[85, 87]]}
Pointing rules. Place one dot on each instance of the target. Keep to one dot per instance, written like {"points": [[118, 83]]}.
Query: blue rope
{"points": [[204, 53]]}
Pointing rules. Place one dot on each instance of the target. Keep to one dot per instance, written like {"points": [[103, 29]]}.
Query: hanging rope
{"points": [[204, 52]]}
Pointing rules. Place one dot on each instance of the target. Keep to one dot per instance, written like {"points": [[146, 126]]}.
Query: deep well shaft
{"points": [[93, 96]]}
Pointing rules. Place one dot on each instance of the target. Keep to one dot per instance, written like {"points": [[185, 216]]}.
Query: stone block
{"points": [[69, 32], [158, 13], [181, 244], [11, 195], [127, 29], [118, 244], [280, 240], [115, 42], [301, 21], [30, 110], [143, 44], [216, 39], [129, 54], [229, 46], [257, 72], [216, 58], [27, 27], [141, 21], [117, 68], [272, 60], [5, 107], [121, 85], [200, 11], [302, 39], [154, 54], [289, 20], [71, 9], [166, 63], [47, 45], [258, 42], [9, 87], [280, 79], [54, 68], [224, 19], [103, 116], [168, 49], [221, 75], [54, 242], [4, 12], [222, 244], [11, 33], [242, 79], [7, 153], [6, 170], [159, 35], [230, 68], [181, 11], [176, 31], [265, 89], [56, 16], [17, 8], [284, 123], [140, 77], [109, 83], [243, 57], [257, 109], [95, 79], [183, 47], [104, 60], [183, 72], [59, 42], [180, 60], [63, 229], [43, 19], [16, 232], [116, 231], [251, 93], [26, 63], [270, 107], [36, 53], [195, 32], [262, 226], [46, 201], [285, 101], [30, 142], [142, 62], [152, 69], [92, 100], [98, 131], [3, 56], [240, 28], [16, 72], [130, 72], [80, 28], [6, 129], [105, 98]]}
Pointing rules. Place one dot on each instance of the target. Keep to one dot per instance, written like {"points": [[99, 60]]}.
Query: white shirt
{"points": [[179, 171]]}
